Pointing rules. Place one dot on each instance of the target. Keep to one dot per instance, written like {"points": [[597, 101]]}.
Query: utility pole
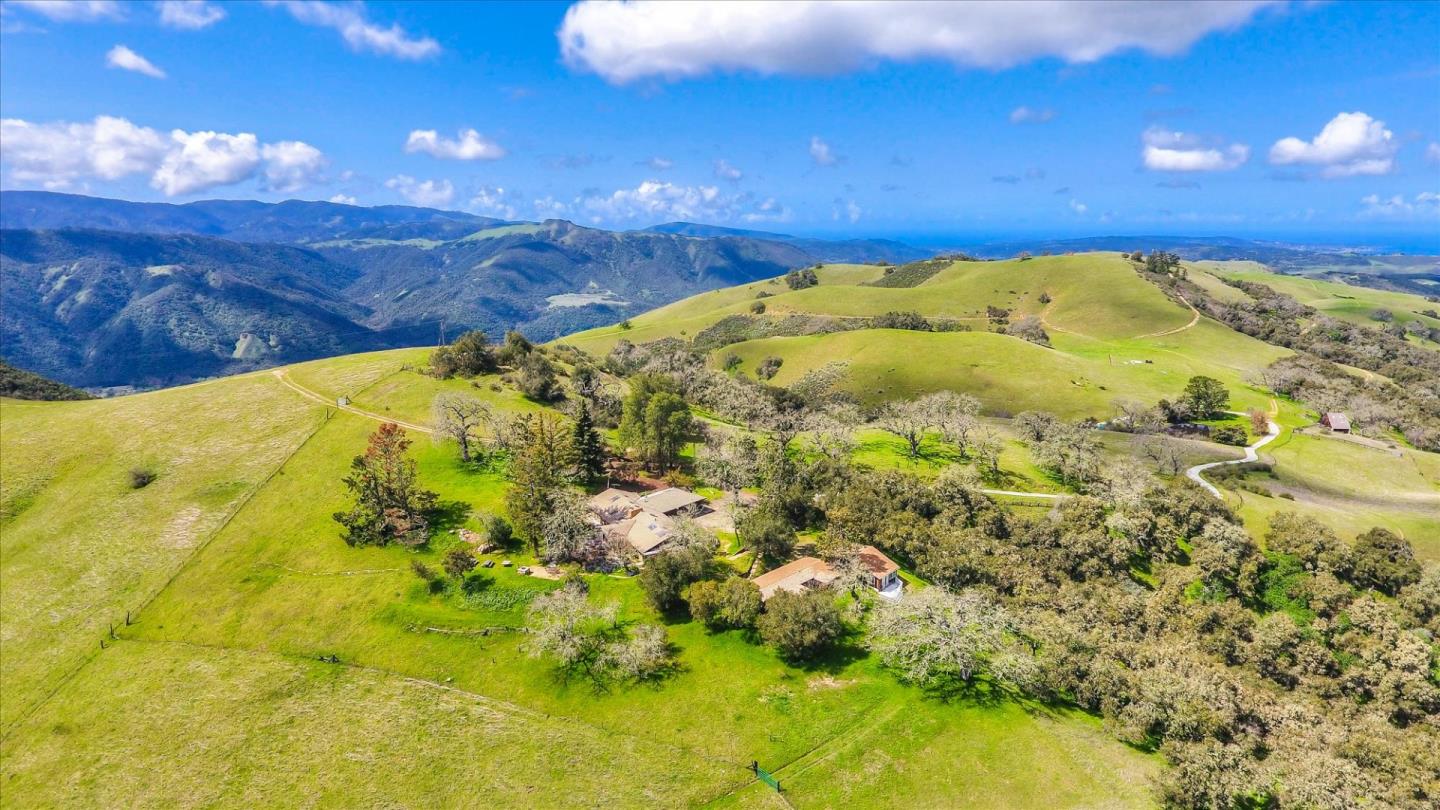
{"points": [[442, 333]]}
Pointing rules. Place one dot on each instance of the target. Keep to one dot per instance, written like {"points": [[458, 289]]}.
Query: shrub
{"points": [[769, 367], [731, 604], [800, 626], [667, 574], [141, 477], [458, 562], [732, 360], [801, 279], [468, 356], [1384, 561], [912, 321], [1230, 434], [497, 530], [758, 307]]}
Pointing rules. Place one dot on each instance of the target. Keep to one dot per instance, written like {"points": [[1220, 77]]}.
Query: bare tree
{"points": [[954, 415], [460, 417], [935, 637], [1161, 452], [908, 419], [986, 447]]}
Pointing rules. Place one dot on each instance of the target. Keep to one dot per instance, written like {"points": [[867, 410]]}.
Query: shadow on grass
{"points": [[834, 658], [448, 516]]}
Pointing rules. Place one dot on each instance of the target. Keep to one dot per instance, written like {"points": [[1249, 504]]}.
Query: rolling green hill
{"points": [[1113, 335], [236, 585]]}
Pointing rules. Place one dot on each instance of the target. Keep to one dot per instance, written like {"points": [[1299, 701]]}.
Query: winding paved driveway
{"points": [[1272, 432]]}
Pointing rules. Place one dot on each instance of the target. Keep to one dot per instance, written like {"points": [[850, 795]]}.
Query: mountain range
{"points": [[110, 293]]}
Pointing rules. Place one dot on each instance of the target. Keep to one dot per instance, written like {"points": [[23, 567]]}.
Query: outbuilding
{"points": [[1336, 421]]}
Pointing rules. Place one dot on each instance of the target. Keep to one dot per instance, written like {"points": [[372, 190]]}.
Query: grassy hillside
{"points": [[1350, 487], [1113, 334], [237, 584], [1341, 301]]}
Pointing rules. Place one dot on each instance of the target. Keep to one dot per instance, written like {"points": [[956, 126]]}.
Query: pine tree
{"points": [[589, 449], [536, 470]]}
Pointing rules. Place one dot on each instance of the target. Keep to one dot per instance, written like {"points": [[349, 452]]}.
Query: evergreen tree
{"points": [[536, 472], [389, 504], [587, 446]]}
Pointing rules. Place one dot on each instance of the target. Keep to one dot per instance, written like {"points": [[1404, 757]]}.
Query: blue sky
{"points": [[1282, 120]]}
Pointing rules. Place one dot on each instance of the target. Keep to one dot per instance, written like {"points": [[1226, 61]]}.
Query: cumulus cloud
{"points": [[1078, 207], [624, 42], [1426, 204], [189, 15], [73, 10], [658, 163], [1350, 144], [494, 201], [1027, 115], [358, 32], [63, 154], [821, 153], [725, 171], [291, 165], [424, 193], [205, 160], [1167, 151], [125, 59], [343, 199], [468, 145]]}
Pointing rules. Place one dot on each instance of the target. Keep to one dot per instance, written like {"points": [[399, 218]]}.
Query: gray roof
{"points": [[669, 501]]}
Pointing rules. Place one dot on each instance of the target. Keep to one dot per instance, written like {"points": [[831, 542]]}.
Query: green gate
{"points": [[765, 776]]}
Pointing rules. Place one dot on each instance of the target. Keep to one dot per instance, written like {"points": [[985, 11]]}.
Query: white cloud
{"points": [[205, 160], [291, 165], [469, 145], [550, 208], [725, 171], [627, 41], [659, 164], [1167, 151], [1432, 152], [359, 33], [1028, 115], [189, 15], [344, 199], [820, 152], [493, 201], [427, 193], [1426, 204], [65, 155], [852, 211], [656, 201], [1350, 144], [125, 59], [73, 10], [1078, 207], [61, 154]]}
